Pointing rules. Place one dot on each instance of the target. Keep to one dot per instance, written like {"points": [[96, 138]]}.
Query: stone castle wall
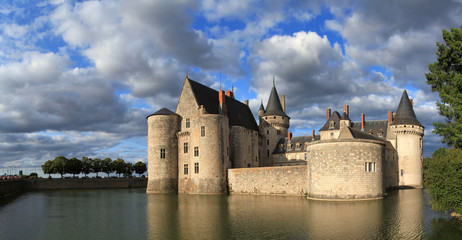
{"points": [[244, 148], [337, 169], [12, 187], [286, 180]]}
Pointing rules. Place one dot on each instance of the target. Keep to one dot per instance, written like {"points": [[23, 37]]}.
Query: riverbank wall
{"points": [[285, 180], [11, 187]]}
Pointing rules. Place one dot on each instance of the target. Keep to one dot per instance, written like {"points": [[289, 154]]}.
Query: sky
{"points": [[78, 78]]}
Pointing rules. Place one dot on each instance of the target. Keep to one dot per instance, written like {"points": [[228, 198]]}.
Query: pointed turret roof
{"points": [[274, 106], [405, 113], [261, 106]]}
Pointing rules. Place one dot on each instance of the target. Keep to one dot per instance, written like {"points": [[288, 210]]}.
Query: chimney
{"points": [[390, 117], [362, 121], [221, 100], [230, 94], [246, 102], [346, 109], [412, 102], [313, 136], [283, 102], [327, 114], [289, 136]]}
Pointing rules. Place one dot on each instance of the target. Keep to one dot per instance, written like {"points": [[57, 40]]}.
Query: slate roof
{"points": [[374, 127], [345, 117], [274, 106], [238, 113], [163, 111], [300, 140], [363, 135], [405, 113], [334, 117], [261, 107]]}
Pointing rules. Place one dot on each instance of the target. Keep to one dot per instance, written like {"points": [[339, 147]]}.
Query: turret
{"points": [[261, 111], [409, 132], [274, 122], [163, 151]]}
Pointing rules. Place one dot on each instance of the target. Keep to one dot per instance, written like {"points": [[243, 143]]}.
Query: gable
{"points": [[187, 104]]}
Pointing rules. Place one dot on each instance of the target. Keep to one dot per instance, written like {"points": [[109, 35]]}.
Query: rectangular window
{"points": [[162, 153], [267, 152], [369, 166], [186, 169], [267, 132], [188, 123], [185, 147], [278, 132], [196, 167], [402, 172], [267, 141], [202, 131], [196, 151], [306, 157]]}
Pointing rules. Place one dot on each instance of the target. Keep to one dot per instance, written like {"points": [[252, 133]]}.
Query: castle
{"points": [[211, 133]]}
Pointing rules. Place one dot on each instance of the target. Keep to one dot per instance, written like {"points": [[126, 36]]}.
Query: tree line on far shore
{"points": [[62, 165]]}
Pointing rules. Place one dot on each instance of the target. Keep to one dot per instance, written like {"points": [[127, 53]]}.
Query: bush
{"points": [[443, 179]]}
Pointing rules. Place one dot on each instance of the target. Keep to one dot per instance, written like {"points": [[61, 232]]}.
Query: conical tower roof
{"points": [[163, 111], [261, 107], [405, 113], [274, 106]]}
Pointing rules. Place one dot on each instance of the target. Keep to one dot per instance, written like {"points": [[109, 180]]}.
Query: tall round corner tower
{"points": [[163, 151], [409, 133]]}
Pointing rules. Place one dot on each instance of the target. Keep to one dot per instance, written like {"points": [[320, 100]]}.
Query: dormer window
{"points": [[297, 147], [331, 125]]}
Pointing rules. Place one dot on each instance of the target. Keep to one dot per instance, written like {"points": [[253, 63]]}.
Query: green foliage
{"points": [[443, 179], [119, 166], [59, 165], [128, 169], [107, 166], [445, 77], [74, 166], [140, 167], [96, 165], [48, 167], [86, 165]]}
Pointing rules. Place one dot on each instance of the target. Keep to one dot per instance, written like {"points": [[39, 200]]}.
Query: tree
{"points": [[140, 168], [48, 168], [59, 165], [74, 166], [119, 166], [107, 166], [96, 165], [443, 179], [128, 169], [86, 165], [445, 77]]}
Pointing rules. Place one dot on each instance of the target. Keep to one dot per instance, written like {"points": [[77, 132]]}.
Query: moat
{"points": [[133, 214]]}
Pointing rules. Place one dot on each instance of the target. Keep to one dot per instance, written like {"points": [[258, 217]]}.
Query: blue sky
{"points": [[78, 78]]}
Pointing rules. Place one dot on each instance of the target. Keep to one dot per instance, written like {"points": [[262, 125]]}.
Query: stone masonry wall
{"points": [[287, 180], [336, 169]]}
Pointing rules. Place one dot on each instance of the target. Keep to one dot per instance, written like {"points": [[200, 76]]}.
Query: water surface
{"points": [[133, 214]]}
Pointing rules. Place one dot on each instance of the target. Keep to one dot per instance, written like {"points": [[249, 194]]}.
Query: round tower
{"points": [[274, 123], [409, 132], [163, 151]]}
